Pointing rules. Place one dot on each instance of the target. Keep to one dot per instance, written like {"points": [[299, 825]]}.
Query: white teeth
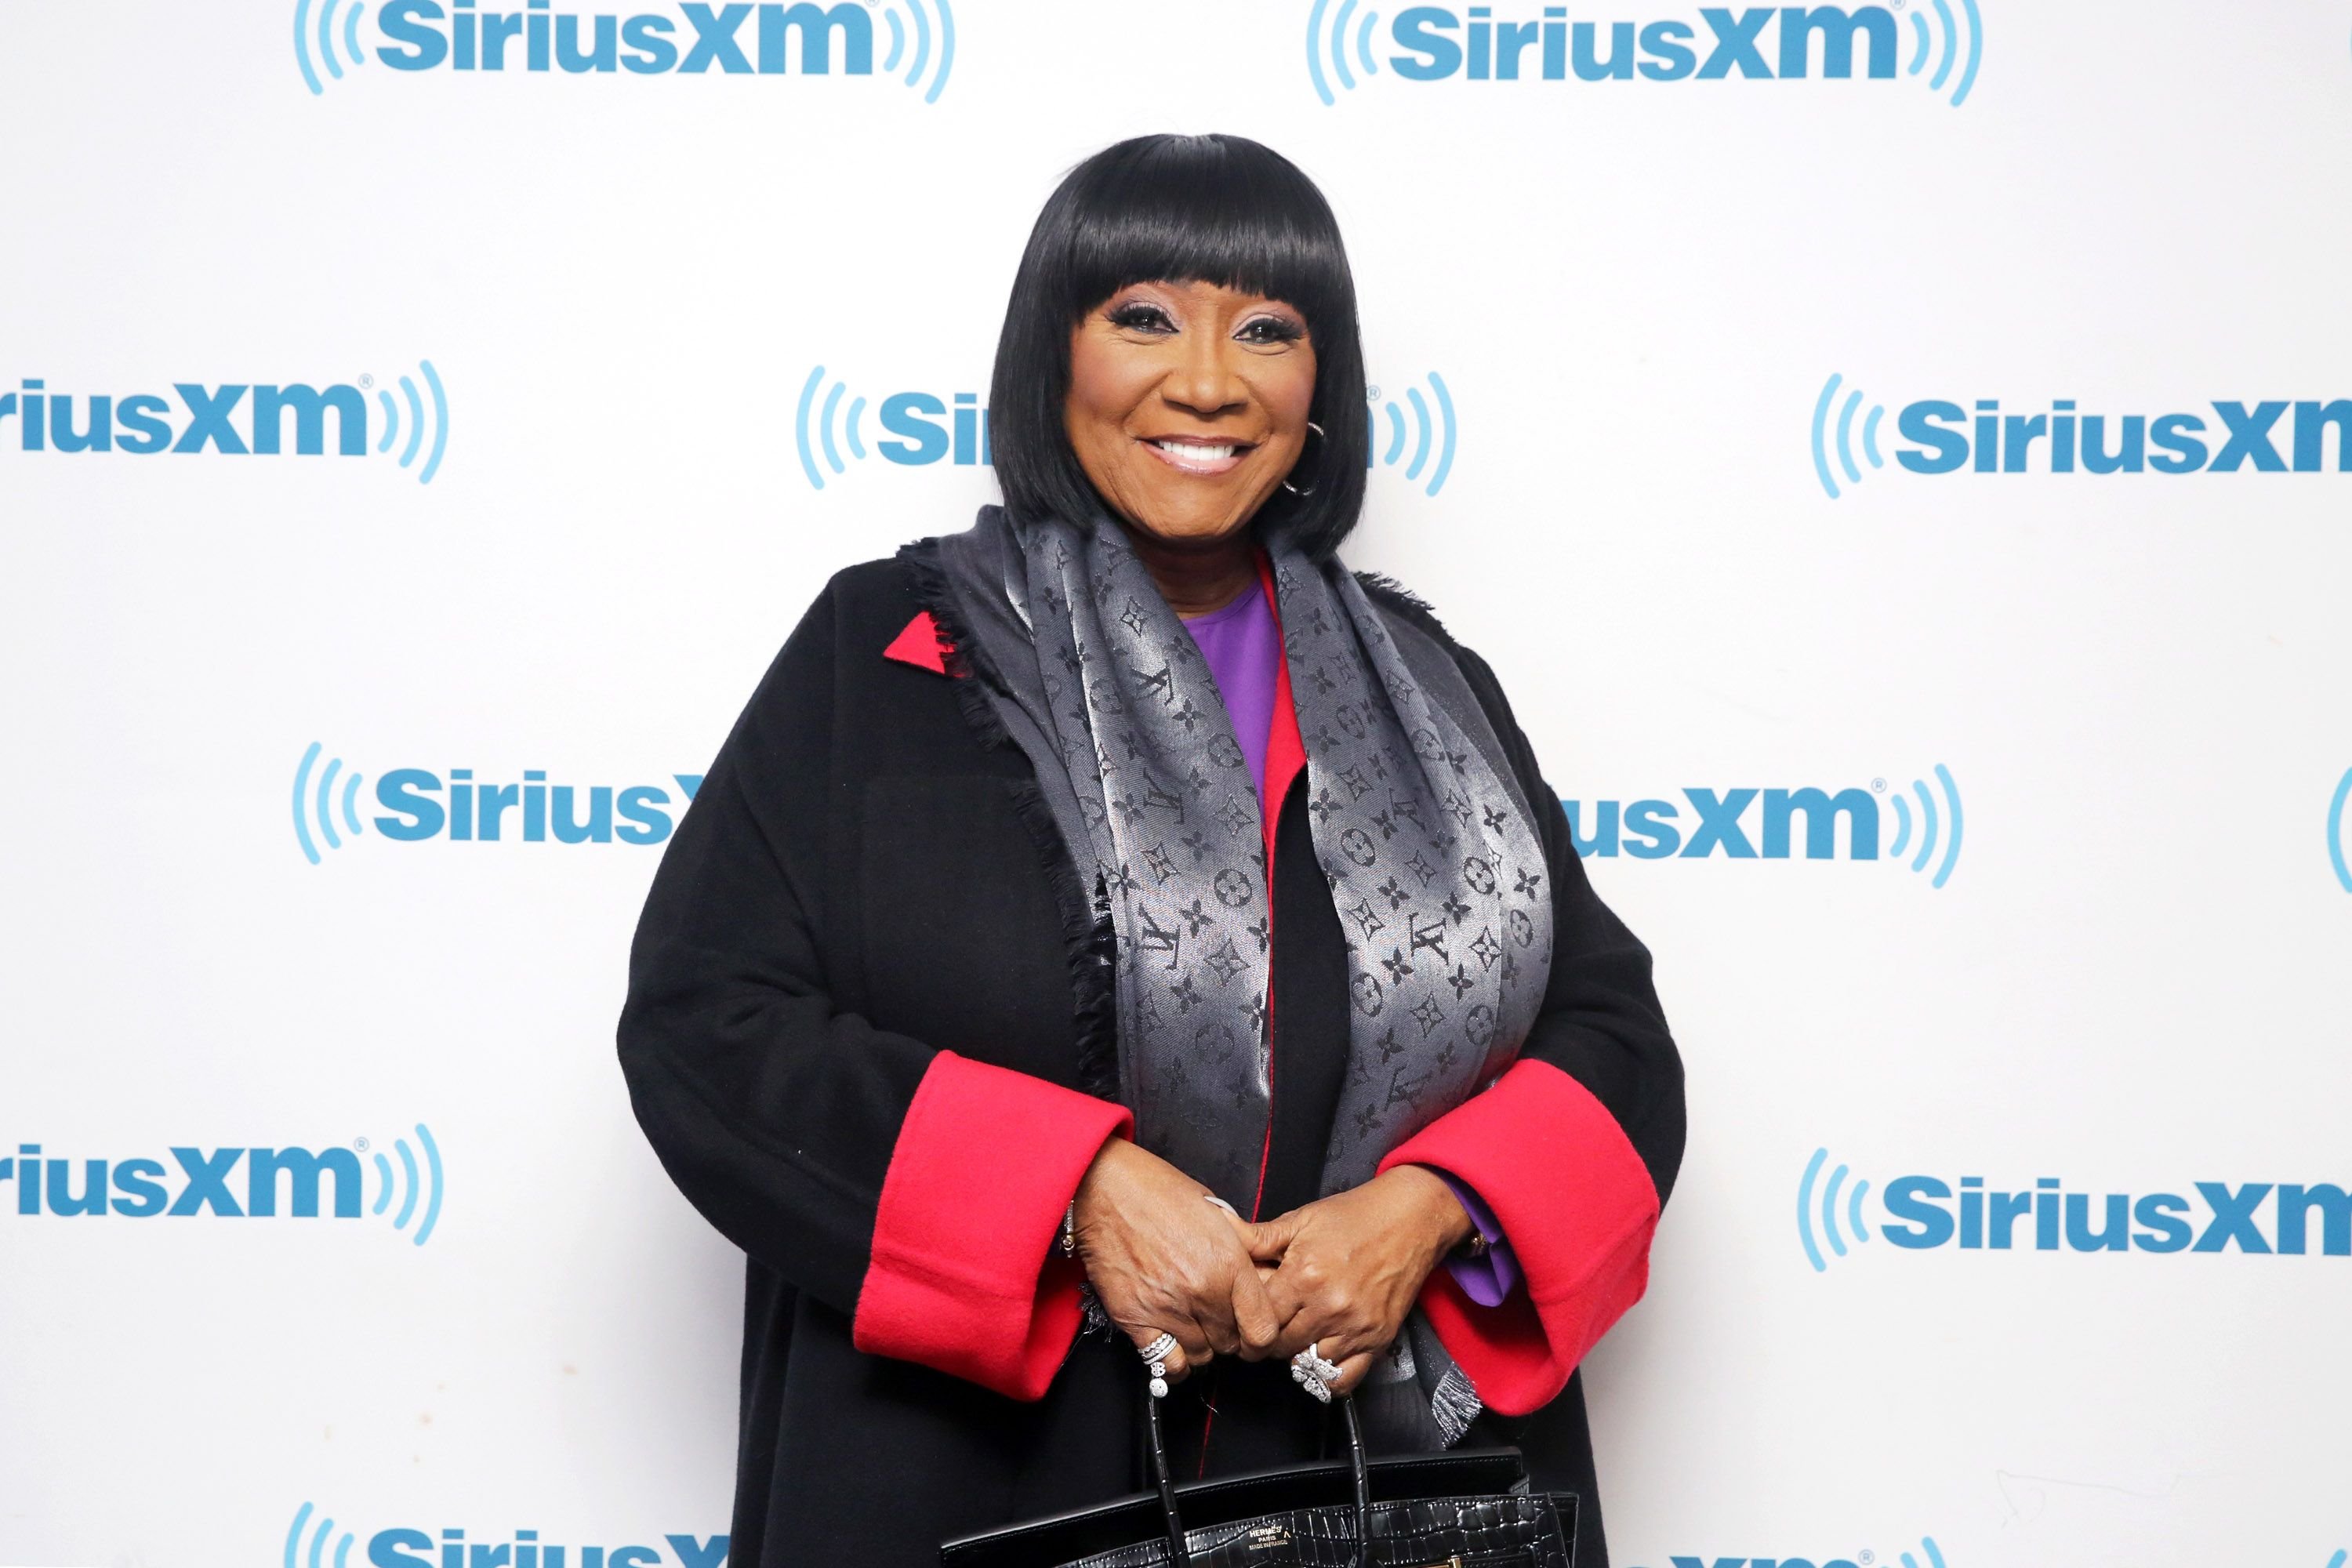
{"points": [[1197, 452]]}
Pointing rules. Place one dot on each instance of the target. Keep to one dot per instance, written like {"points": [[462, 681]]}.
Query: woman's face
{"points": [[1188, 404]]}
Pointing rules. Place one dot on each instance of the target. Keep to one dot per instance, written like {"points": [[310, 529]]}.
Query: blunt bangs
{"points": [[1212, 209]]}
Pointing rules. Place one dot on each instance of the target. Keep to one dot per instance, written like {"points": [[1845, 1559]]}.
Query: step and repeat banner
{"points": [[1899, 457]]}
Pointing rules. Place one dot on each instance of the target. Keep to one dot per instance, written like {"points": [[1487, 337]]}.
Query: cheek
{"points": [[1103, 388], [1290, 395]]}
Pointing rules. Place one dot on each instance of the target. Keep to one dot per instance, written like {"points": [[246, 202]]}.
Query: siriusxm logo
{"points": [[1657, 829], [309, 1541], [206, 419], [1865, 1559], [1946, 439], [685, 40], [2335, 840], [919, 428], [1918, 1213], [142, 1188], [326, 807], [1759, 43]]}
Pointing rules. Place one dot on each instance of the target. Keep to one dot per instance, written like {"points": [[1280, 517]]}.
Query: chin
{"points": [[1195, 529]]}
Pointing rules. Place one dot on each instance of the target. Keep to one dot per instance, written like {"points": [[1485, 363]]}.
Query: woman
{"points": [[1119, 911]]}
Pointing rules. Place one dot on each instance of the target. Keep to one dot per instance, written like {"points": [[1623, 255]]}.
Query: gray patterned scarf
{"points": [[1434, 862]]}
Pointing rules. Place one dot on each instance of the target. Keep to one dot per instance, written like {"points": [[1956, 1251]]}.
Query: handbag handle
{"points": [[1359, 1465]]}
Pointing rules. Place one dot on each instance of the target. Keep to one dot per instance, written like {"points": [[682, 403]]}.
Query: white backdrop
{"points": [[2119, 965]]}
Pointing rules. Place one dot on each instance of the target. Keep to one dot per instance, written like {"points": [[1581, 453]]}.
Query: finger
{"points": [[1214, 1317], [1177, 1359], [1271, 1239], [1352, 1370], [1255, 1326], [1192, 1347]]}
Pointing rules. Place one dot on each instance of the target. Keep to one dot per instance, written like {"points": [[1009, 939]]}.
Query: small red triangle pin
{"points": [[920, 645]]}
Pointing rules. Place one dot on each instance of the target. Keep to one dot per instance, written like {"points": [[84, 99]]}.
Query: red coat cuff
{"points": [[1577, 1204], [963, 1276]]}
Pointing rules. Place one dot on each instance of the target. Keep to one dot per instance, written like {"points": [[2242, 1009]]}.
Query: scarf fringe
{"points": [[1089, 940], [1391, 595]]}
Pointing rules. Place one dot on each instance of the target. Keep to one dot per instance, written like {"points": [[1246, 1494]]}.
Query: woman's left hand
{"points": [[1350, 1266]]}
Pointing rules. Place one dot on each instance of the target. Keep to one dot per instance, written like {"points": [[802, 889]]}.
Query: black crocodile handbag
{"points": [[1423, 1510]]}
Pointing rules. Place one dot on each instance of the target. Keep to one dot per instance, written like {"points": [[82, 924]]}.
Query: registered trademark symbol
{"points": [[367, 381], [1878, 786], [1866, 1559], [360, 1144], [1371, 394]]}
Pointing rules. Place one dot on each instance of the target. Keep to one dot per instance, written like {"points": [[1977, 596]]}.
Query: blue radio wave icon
{"points": [[1952, 41], [825, 422], [1935, 1555], [1842, 440], [1428, 430], [1827, 1207], [321, 35], [1936, 825], [319, 805], [316, 1558], [411, 1184], [420, 428], [919, 24], [2336, 844], [1349, 31]]}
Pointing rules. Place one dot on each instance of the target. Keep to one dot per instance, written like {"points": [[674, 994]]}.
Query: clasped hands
{"points": [[1339, 1273]]}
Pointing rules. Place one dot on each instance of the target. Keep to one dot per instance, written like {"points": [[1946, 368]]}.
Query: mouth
{"points": [[1189, 456]]}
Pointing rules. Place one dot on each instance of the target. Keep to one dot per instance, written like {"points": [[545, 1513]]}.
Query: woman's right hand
{"points": [[1163, 1259]]}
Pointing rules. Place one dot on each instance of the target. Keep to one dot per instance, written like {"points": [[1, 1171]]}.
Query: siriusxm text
{"points": [[734, 39], [424, 805], [2251, 1216], [239, 420], [1719, 824], [196, 1181], [407, 1548], [2062, 439], [1781, 43]]}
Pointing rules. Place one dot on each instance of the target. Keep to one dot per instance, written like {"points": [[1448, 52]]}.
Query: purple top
{"points": [[1489, 1278], [1243, 645], [1244, 648]]}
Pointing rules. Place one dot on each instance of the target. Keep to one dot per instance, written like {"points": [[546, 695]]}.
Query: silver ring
{"points": [[1308, 1368], [1158, 1349]]}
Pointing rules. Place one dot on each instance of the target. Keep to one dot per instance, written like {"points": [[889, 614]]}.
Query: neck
{"points": [[1198, 578]]}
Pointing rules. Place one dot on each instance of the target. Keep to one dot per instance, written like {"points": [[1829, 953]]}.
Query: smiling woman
{"points": [[1126, 851]]}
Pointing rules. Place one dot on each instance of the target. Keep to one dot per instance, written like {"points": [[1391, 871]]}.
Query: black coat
{"points": [[856, 886]]}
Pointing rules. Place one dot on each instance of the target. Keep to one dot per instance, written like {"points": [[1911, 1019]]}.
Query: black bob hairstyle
{"points": [[1212, 209]]}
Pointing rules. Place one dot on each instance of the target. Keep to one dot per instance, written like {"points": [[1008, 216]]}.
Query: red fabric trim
{"points": [[965, 1275], [1285, 750], [1285, 756], [1576, 1204], [921, 644]]}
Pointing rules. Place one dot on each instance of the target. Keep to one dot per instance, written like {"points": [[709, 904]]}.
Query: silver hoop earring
{"points": [[1309, 490]]}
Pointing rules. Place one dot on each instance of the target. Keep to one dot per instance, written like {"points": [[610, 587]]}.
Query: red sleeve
{"points": [[1579, 1208], [965, 1276]]}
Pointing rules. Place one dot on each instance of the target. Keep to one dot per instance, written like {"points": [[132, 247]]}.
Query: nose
{"points": [[1203, 382]]}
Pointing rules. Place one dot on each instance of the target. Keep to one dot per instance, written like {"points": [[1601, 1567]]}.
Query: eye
{"points": [[1270, 329], [1141, 316]]}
